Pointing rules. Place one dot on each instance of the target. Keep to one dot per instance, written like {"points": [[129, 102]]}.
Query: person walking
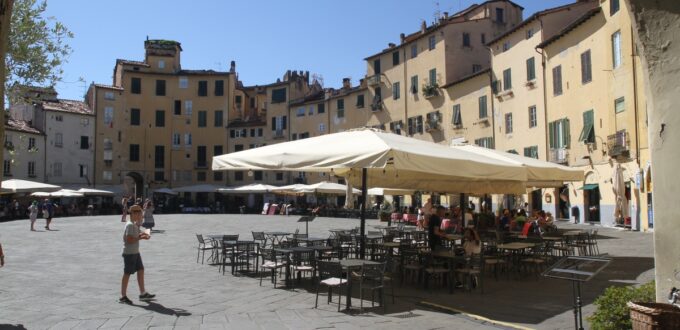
{"points": [[124, 206], [48, 210], [131, 258], [148, 215], [2, 257], [33, 213]]}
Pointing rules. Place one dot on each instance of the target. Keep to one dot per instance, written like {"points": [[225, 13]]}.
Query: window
{"points": [[219, 87], [136, 85], [395, 58], [134, 117], [432, 42], [202, 118], [84, 142], [531, 152], [294, 136], [176, 140], [531, 69], [414, 50], [588, 131], [414, 84], [433, 77], [341, 108], [218, 176], [160, 118], [466, 39], [499, 15], [161, 64], [260, 132], [219, 118], [311, 110], [508, 123], [279, 95], [376, 66], [396, 93], [360, 101], [322, 128], [586, 67], [533, 121], [558, 134], [279, 123], [252, 132], [530, 33], [616, 49], [482, 107], [557, 80], [107, 175], [31, 143], [7, 168], [31, 169], [238, 147], [201, 156], [619, 105], [58, 140], [188, 108], [203, 88], [486, 142], [134, 152], [178, 107], [476, 68], [238, 176], [218, 150], [411, 126], [108, 96], [419, 124], [160, 87], [495, 86], [159, 176], [613, 7], [257, 175], [57, 170], [457, 118], [507, 79], [321, 108], [159, 157], [187, 139], [59, 118], [183, 82], [483, 39], [108, 117], [279, 176], [301, 112]]}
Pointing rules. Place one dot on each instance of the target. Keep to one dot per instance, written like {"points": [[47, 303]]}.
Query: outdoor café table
{"points": [[320, 250], [276, 236], [516, 249], [287, 252], [232, 245], [452, 260], [352, 264], [311, 240]]}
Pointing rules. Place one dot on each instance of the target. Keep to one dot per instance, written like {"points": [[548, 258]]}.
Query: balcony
{"points": [[377, 106], [619, 144], [374, 80], [432, 125], [559, 156], [430, 91], [278, 134]]}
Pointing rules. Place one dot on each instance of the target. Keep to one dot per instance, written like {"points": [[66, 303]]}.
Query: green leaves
{"points": [[38, 46], [612, 312]]}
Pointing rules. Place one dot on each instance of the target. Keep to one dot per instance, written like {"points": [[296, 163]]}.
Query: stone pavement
{"points": [[69, 278]]}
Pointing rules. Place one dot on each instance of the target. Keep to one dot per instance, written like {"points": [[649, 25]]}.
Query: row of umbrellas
{"points": [[324, 187], [39, 189]]}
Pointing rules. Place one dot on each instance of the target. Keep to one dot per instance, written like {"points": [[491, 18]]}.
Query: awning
{"points": [[589, 186]]}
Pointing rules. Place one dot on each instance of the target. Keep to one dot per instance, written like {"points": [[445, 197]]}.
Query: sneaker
{"points": [[146, 295], [125, 300]]}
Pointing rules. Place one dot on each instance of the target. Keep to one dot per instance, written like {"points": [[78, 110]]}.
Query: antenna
{"points": [[437, 12]]}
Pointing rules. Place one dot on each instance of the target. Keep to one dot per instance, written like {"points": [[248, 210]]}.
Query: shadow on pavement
{"points": [[12, 326], [160, 309]]}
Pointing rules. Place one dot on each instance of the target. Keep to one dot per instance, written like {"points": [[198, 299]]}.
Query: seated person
{"points": [[505, 220], [472, 244], [520, 220]]}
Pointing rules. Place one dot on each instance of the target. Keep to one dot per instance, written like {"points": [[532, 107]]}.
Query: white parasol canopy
{"points": [[16, 185], [167, 191], [58, 193], [326, 187], [198, 188], [95, 192], [390, 192], [390, 160], [619, 187], [289, 189], [255, 188]]}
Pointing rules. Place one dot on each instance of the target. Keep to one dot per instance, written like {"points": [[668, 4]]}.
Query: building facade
{"points": [[24, 152]]}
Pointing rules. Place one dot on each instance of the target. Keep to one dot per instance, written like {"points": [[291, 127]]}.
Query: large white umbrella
{"points": [[292, 189], [369, 157], [326, 187], [349, 196], [540, 173], [16, 186], [254, 188], [58, 193], [619, 187], [95, 192], [166, 191], [389, 191], [201, 188]]}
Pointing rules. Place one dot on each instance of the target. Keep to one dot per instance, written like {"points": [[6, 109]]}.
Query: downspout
{"points": [[407, 91], [635, 101], [545, 96], [94, 138], [493, 107]]}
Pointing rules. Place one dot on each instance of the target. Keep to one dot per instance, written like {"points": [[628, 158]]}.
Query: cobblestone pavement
{"points": [[69, 278]]}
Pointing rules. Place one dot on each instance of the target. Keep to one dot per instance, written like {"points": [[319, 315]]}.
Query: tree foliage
{"points": [[612, 312], [38, 46]]}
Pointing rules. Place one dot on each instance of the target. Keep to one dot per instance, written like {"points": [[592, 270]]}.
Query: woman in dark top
{"points": [[434, 228]]}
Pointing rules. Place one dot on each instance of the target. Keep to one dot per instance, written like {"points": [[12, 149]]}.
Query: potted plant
{"points": [[430, 90], [385, 211]]}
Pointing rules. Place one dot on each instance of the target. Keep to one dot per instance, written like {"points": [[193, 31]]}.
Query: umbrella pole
{"points": [[362, 249]]}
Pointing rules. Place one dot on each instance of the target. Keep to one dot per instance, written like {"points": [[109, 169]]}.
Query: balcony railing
{"points": [[278, 134], [377, 106], [374, 80], [559, 155], [619, 144]]}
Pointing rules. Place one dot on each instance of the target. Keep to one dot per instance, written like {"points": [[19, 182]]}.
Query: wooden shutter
{"points": [[285, 122], [566, 133], [551, 134], [273, 123]]}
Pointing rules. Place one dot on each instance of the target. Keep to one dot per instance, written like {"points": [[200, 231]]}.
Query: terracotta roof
{"points": [[574, 24], [341, 92], [534, 17], [203, 72], [72, 106], [318, 96], [468, 77], [130, 62], [108, 86], [20, 126]]}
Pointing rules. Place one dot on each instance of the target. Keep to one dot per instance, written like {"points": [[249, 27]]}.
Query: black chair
{"points": [[372, 279], [330, 275], [273, 262], [261, 238], [473, 272], [303, 262], [202, 247], [241, 255]]}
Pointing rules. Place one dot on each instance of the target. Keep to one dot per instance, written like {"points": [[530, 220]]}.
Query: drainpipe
{"points": [[493, 107], [94, 138], [545, 97], [635, 101], [407, 90]]}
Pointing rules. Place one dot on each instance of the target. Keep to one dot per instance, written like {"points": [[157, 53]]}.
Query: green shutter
{"points": [[551, 134], [531, 72], [566, 136], [588, 127], [433, 77]]}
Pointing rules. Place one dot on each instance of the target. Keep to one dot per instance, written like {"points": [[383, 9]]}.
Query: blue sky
{"points": [[264, 37]]}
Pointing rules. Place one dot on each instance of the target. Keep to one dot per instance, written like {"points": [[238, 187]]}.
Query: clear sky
{"points": [[264, 37]]}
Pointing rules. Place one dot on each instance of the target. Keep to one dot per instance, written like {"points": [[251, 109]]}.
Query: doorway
{"points": [[591, 203], [563, 204], [137, 184]]}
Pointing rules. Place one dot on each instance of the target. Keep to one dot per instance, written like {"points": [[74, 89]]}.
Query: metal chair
{"points": [[473, 271], [272, 261], [303, 262], [372, 278], [330, 275], [202, 247]]}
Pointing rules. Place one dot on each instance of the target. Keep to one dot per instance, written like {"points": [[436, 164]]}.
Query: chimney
{"points": [[391, 45], [423, 27], [446, 14], [402, 37], [362, 82], [232, 68], [346, 83]]}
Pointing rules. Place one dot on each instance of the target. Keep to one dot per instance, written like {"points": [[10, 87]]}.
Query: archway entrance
{"points": [[136, 184]]}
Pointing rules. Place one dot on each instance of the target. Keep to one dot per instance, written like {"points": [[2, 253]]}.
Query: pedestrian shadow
{"points": [[160, 309], [12, 326], [157, 231]]}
